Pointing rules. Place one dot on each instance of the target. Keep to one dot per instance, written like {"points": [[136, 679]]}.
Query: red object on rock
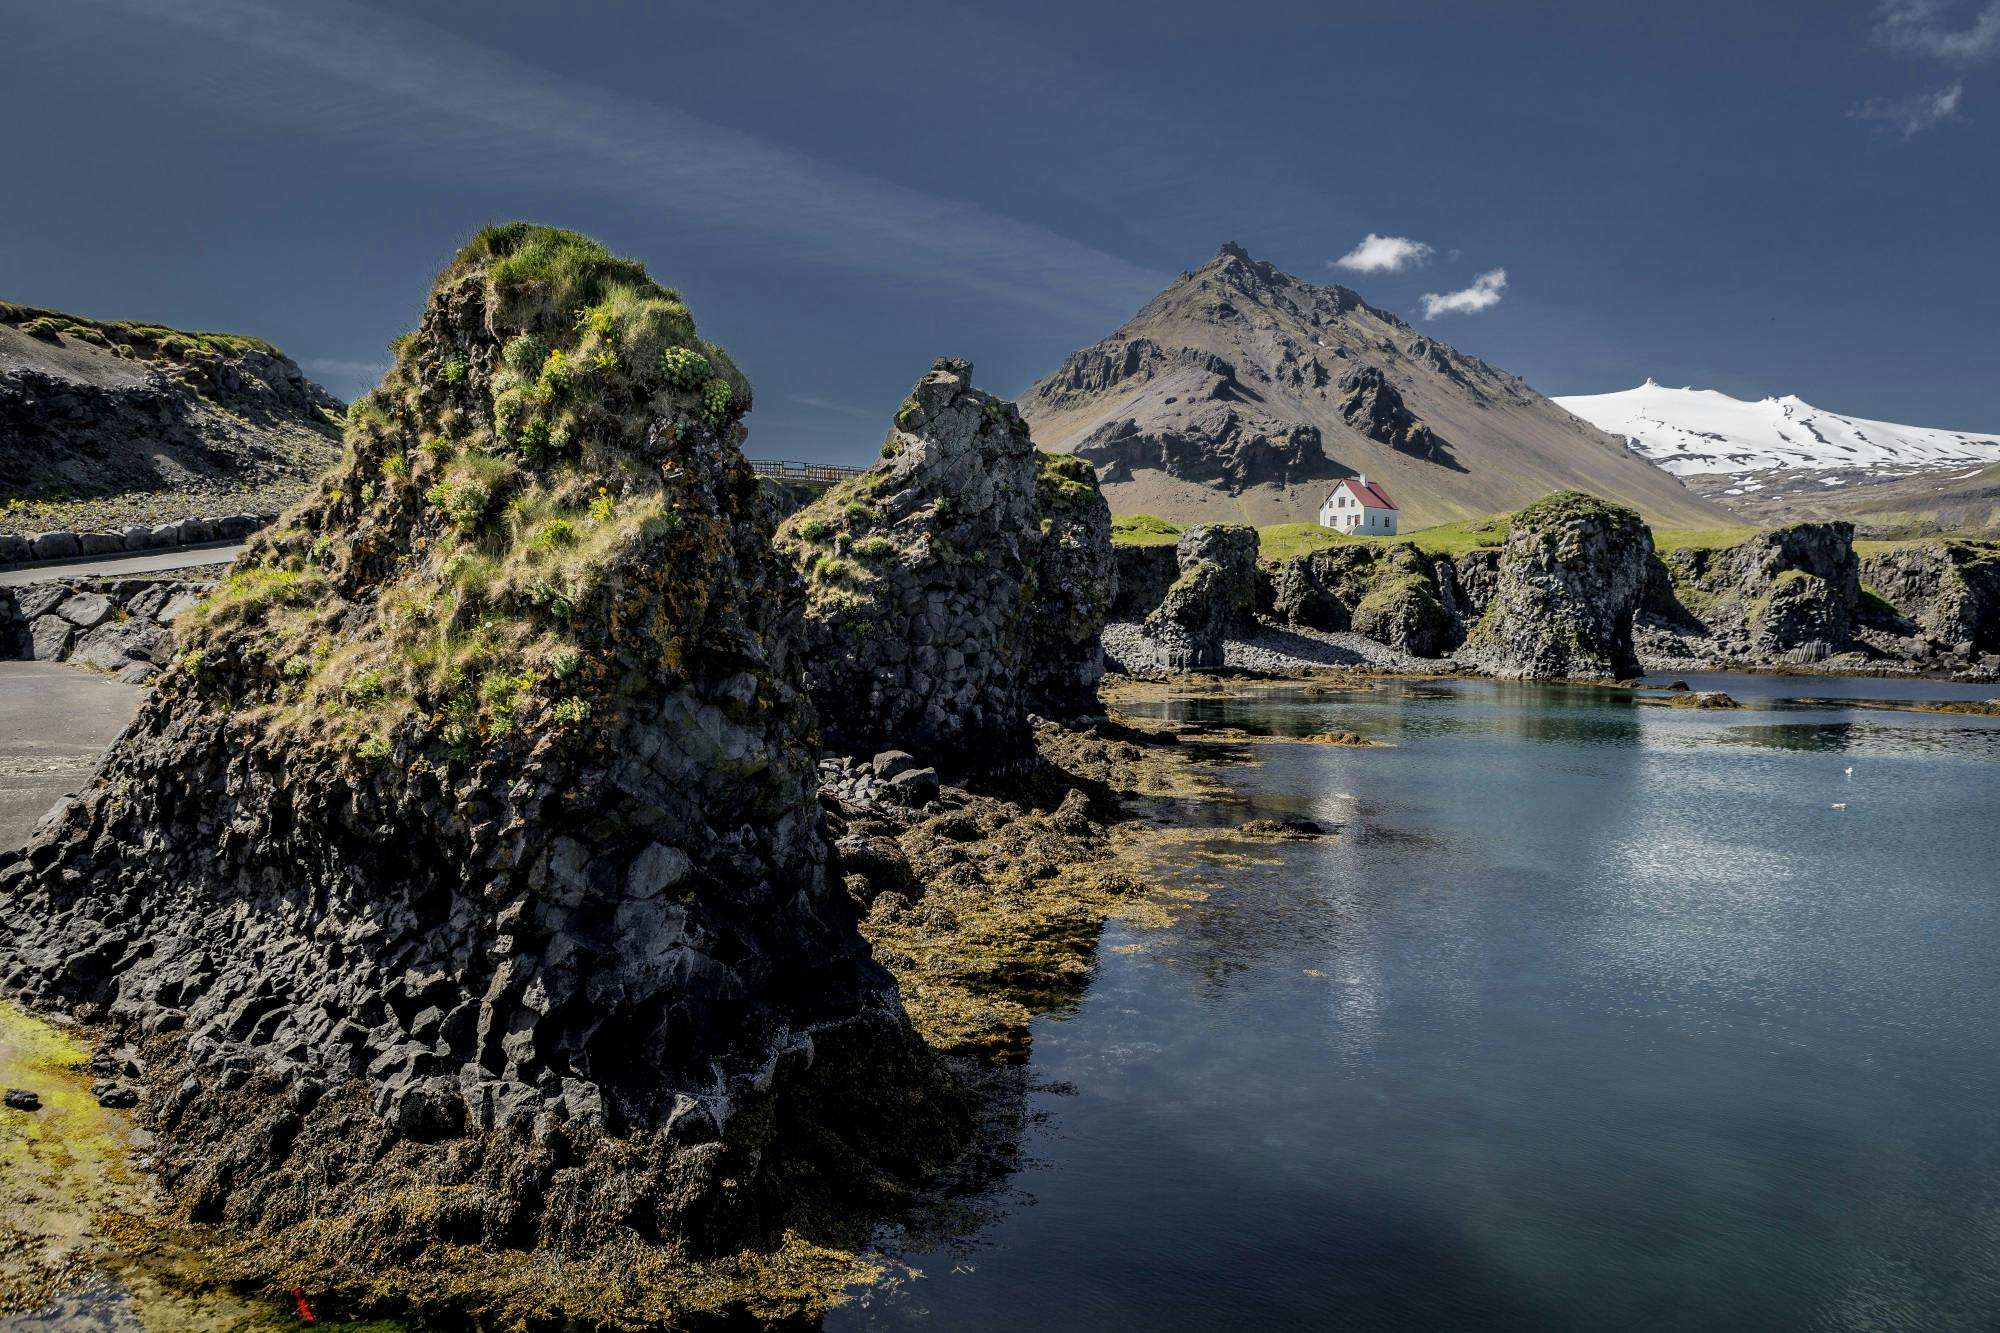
{"points": [[305, 1311]]}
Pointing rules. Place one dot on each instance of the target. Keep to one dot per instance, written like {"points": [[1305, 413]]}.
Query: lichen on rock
{"points": [[1388, 592], [956, 587], [468, 868], [1215, 593], [1569, 582]]}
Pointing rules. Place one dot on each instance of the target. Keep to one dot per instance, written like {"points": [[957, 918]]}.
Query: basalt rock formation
{"points": [[1075, 583], [1569, 583], [1950, 590], [1215, 593], [1789, 594], [954, 588], [466, 871], [1389, 593], [120, 626], [203, 421]]}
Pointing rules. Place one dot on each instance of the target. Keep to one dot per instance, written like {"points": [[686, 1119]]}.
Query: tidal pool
{"points": [[1593, 1015]]}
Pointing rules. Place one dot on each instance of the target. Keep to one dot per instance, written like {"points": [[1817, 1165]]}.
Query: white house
{"points": [[1353, 505]]}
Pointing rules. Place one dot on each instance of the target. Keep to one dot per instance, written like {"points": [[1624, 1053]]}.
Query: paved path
{"points": [[123, 564], [55, 723]]}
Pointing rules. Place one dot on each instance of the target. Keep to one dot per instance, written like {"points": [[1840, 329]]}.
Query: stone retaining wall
{"points": [[49, 547], [122, 627]]}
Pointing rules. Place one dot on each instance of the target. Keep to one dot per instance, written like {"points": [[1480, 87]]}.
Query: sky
{"points": [[1763, 198]]}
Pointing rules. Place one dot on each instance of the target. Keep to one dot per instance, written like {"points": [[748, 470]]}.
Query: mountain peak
{"points": [[1243, 390]]}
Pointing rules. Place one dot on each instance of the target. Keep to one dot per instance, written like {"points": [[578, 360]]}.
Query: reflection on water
{"points": [[1596, 1015]]}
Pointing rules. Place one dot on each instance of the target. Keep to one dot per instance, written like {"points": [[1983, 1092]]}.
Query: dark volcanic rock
{"points": [[1075, 582], [91, 408], [1371, 404], [1789, 594], [1570, 580], [1215, 593], [1144, 575], [1950, 589], [956, 587], [1212, 443], [1389, 593], [471, 851]]}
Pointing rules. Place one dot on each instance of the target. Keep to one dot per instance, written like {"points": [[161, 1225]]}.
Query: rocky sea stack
{"points": [[465, 879], [956, 587], [1215, 593], [1569, 583]]}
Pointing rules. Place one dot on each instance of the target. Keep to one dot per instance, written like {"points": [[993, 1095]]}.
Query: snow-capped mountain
{"points": [[1700, 432]]}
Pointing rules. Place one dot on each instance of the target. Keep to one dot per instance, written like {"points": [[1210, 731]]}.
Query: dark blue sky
{"points": [[1763, 198]]}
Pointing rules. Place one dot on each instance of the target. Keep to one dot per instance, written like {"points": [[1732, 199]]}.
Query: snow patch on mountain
{"points": [[1699, 432]]}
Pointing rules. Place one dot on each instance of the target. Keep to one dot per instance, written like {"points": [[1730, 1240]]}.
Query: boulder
{"points": [[115, 643], [55, 546], [1569, 581], [1215, 594], [86, 610], [50, 637], [497, 924]]}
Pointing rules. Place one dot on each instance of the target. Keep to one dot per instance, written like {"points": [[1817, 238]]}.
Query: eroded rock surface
{"points": [[1569, 582], [957, 587], [1215, 593], [465, 874]]}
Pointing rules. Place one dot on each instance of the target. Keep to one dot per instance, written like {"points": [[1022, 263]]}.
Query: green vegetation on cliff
{"points": [[147, 342], [484, 503]]}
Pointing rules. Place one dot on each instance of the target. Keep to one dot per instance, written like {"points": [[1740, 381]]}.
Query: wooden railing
{"points": [[785, 469]]}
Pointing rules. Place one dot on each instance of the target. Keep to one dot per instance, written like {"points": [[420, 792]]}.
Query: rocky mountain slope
{"points": [[1785, 458], [465, 879], [1240, 392], [112, 423]]}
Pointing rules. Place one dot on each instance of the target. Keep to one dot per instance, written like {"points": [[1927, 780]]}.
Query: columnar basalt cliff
{"points": [[1570, 580], [1076, 581], [956, 587], [466, 872]]}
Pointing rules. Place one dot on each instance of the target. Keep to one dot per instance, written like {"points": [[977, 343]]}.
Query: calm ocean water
{"points": [[1595, 1015]]}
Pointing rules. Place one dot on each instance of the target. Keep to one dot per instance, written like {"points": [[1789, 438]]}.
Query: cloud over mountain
{"points": [[1483, 294], [1383, 254]]}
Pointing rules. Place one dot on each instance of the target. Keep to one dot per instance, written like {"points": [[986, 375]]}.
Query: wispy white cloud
{"points": [[1483, 294], [1383, 254], [336, 69], [1924, 28], [1911, 116]]}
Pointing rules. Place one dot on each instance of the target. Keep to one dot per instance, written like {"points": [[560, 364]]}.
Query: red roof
{"points": [[1372, 495]]}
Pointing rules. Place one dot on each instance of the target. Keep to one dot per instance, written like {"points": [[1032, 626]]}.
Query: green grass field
{"points": [[1281, 541]]}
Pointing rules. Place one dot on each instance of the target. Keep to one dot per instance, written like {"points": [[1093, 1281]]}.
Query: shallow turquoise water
{"points": [[1596, 1015]]}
